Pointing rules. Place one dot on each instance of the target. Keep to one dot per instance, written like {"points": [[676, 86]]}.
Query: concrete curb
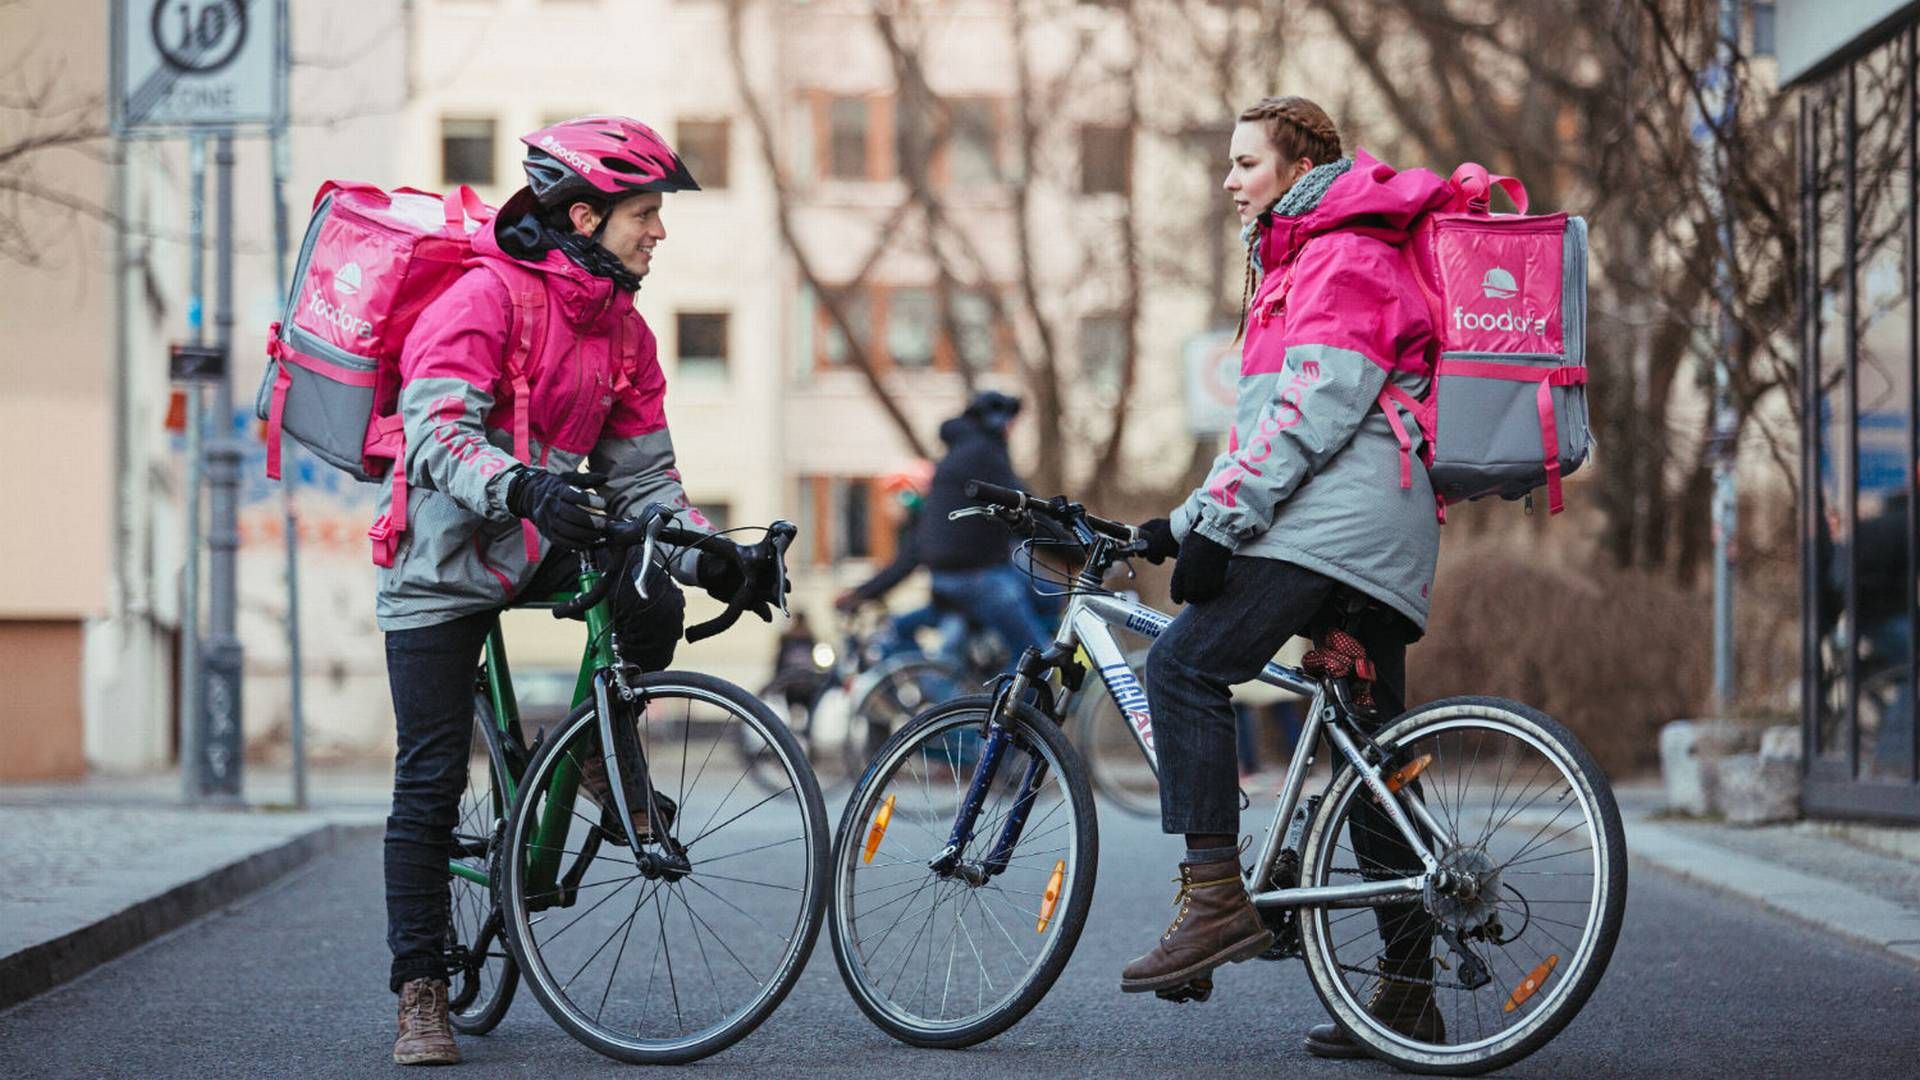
{"points": [[1821, 903], [38, 968]]}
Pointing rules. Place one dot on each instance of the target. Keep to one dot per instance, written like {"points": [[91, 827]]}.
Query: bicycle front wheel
{"points": [[1485, 968], [481, 973], [948, 947], [657, 959]]}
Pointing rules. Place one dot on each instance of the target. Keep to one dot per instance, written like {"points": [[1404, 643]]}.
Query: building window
{"points": [[1103, 349], [976, 341], [703, 145], [857, 304], [1105, 160], [718, 512], [840, 519], [466, 150], [847, 139], [973, 143], [913, 327], [702, 338]]}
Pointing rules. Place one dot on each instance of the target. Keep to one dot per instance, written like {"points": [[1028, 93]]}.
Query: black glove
{"points": [[1158, 535], [557, 504], [1200, 574], [720, 575]]}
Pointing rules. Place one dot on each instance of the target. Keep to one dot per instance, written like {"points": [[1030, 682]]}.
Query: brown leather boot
{"points": [[1406, 1007], [425, 1036], [1216, 924]]}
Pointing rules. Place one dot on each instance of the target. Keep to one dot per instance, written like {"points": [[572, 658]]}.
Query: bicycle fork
{"points": [[999, 736]]}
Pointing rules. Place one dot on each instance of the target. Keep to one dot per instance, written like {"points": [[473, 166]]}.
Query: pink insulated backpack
{"points": [[371, 261], [1508, 298]]}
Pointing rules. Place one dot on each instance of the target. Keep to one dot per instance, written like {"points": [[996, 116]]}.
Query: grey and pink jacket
{"points": [[1315, 472], [594, 391]]}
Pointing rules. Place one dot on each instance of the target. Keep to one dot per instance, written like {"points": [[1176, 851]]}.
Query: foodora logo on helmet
{"points": [[581, 165]]}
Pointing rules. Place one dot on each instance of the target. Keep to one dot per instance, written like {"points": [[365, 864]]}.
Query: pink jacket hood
{"points": [[581, 296], [1371, 198]]}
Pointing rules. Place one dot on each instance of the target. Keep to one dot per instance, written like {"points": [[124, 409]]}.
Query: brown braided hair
{"points": [[1297, 128]]}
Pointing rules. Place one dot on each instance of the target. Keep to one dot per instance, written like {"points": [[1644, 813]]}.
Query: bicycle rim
{"points": [[902, 692], [480, 985], [656, 968], [951, 959], [1531, 823]]}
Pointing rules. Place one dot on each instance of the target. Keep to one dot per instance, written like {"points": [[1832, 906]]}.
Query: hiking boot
{"points": [[1406, 1007], [425, 1037], [1216, 924]]}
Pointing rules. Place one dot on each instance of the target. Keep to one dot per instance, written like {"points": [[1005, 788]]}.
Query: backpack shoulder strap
{"points": [[526, 332]]}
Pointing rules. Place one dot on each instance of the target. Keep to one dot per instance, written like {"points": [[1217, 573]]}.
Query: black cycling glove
{"points": [[1200, 574], [719, 574], [558, 505], [1158, 535]]}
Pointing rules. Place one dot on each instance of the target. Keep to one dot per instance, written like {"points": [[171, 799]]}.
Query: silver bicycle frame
{"points": [[1086, 626]]}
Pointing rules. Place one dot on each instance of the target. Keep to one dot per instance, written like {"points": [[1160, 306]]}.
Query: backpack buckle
{"points": [[386, 540]]}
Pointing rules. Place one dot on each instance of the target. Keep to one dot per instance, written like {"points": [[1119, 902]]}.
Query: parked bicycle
{"points": [[961, 883], [657, 910]]}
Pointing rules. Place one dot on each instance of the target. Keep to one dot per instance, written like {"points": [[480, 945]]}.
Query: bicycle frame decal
{"points": [[1131, 697]]}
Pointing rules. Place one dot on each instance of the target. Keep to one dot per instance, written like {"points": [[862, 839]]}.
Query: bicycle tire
{"points": [[1076, 887], [582, 723], [1562, 989], [475, 1003], [890, 697]]}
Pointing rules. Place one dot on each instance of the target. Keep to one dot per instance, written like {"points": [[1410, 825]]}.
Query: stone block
{"points": [[1753, 789]]}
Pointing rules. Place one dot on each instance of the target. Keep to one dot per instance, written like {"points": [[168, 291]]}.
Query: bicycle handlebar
{"points": [[650, 528], [1057, 508]]}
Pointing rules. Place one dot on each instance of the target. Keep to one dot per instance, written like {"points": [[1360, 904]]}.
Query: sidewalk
{"points": [[100, 867], [1859, 884]]}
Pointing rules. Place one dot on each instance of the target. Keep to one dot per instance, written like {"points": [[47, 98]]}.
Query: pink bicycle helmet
{"points": [[600, 157]]}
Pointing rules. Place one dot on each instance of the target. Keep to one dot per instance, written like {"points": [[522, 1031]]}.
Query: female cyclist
{"points": [[1304, 519]]}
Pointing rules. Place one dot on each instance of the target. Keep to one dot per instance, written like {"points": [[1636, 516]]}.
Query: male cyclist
{"points": [[488, 528], [968, 559]]}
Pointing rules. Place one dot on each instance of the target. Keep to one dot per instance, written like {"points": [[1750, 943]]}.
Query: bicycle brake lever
{"points": [[654, 525], [971, 511]]}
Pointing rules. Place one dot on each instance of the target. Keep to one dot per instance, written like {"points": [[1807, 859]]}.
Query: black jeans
{"points": [[1227, 640], [430, 671]]}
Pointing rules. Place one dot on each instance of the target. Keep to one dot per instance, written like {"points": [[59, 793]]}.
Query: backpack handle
{"points": [[1476, 184], [461, 204]]}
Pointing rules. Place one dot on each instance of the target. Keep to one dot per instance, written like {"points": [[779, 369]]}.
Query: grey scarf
{"points": [[1301, 198]]}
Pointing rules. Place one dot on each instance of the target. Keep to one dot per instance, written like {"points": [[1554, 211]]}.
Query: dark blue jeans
{"points": [[1227, 640], [430, 671], [994, 597]]}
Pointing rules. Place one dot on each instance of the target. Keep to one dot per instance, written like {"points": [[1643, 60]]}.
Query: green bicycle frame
{"points": [[497, 679]]}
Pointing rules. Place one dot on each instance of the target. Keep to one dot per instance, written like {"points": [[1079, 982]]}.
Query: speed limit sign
{"points": [[181, 64]]}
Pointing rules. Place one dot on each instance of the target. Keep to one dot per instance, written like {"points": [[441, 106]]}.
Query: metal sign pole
{"points": [[290, 518], [221, 696], [1726, 419], [189, 685]]}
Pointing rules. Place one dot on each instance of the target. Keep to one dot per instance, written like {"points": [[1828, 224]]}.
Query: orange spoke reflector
{"points": [[880, 822], [1533, 982], [1051, 899], [1407, 772]]}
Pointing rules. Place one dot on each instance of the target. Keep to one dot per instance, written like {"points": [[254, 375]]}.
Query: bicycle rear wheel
{"points": [[952, 957], [481, 973], [642, 960], [1487, 969], [889, 698]]}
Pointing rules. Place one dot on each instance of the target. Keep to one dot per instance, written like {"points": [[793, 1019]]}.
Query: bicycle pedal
{"points": [[1198, 990]]}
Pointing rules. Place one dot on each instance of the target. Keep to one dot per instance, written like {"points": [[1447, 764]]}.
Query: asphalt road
{"points": [[291, 982]]}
